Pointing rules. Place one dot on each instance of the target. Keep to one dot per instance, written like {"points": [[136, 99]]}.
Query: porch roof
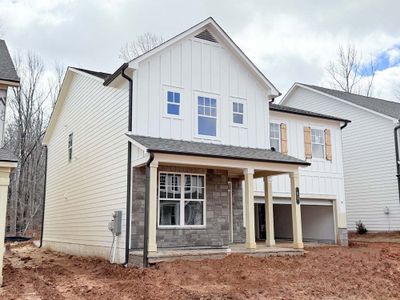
{"points": [[170, 146]]}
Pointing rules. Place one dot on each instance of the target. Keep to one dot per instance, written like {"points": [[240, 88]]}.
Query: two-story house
{"points": [[8, 162], [371, 165], [177, 143]]}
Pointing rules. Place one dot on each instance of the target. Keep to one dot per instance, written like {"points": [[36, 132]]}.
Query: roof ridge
{"points": [[344, 92]]}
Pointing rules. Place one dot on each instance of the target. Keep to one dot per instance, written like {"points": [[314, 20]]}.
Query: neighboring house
{"points": [[178, 141], [371, 186], [8, 78]]}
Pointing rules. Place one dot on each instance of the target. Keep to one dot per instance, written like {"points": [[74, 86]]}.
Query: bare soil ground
{"points": [[362, 271]]}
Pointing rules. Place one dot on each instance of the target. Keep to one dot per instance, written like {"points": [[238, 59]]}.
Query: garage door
{"points": [[317, 221]]}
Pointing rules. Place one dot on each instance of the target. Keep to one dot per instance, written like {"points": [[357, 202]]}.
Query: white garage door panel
{"points": [[317, 221]]}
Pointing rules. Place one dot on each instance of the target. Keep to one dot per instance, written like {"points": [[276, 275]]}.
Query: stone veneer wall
{"points": [[239, 232], [215, 234]]}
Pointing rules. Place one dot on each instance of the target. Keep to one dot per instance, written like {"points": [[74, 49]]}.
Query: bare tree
{"points": [[347, 72], [23, 137], [142, 44], [56, 82]]}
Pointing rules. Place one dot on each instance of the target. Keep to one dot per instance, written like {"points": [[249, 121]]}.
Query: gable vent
{"points": [[206, 35]]}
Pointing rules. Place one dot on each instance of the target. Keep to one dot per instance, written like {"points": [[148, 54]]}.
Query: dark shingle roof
{"points": [[385, 107], [7, 69], [6, 155], [296, 111], [101, 75], [160, 145]]}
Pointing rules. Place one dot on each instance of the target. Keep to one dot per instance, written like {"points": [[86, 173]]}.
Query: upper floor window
{"points": [[318, 143], [238, 113], [181, 200], [70, 140], [173, 103], [207, 116], [275, 136]]}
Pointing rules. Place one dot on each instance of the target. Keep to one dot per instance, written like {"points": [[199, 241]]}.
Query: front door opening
{"points": [[259, 213]]}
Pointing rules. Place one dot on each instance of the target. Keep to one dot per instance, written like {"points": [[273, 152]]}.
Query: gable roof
{"points": [[213, 28], [101, 75], [384, 107], [161, 145], [7, 69], [296, 111]]}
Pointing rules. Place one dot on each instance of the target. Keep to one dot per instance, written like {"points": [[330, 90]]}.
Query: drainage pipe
{"points": [[128, 171], [396, 147], [146, 213]]}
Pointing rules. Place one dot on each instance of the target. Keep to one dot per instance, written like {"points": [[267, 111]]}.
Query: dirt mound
{"points": [[364, 270]]}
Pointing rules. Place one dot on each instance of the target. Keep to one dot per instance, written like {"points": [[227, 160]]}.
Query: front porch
{"points": [[199, 200], [199, 253]]}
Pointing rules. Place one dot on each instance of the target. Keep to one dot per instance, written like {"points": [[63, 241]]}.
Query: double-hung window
{"points": [[318, 143], [275, 136], [181, 200], [207, 116], [237, 113], [173, 103]]}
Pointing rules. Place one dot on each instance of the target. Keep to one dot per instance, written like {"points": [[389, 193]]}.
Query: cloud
{"points": [[288, 40]]}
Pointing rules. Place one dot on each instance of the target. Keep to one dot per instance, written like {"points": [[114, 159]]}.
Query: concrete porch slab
{"points": [[171, 254]]}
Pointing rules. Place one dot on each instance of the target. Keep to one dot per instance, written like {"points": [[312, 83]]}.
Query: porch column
{"points": [[152, 242], [296, 212], [269, 212], [249, 209], [4, 182]]}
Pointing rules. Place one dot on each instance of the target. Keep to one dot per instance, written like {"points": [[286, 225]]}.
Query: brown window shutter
{"points": [[328, 144], [284, 140], [307, 142]]}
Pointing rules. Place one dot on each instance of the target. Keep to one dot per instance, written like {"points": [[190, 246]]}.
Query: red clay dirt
{"points": [[362, 271]]}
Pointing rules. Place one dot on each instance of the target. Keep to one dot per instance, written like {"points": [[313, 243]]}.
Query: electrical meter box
{"points": [[115, 225]]}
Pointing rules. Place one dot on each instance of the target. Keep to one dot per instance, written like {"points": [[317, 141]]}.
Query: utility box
{"points": [[115, 224]]}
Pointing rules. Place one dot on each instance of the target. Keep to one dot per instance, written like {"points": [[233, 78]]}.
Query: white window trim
{"points": [[182, 203], [279, 132], [195, 112], [323, 158], [244, 102], [175, 89]]}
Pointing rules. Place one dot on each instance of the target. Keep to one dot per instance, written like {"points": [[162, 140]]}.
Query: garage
{"points": [[318, 220]]}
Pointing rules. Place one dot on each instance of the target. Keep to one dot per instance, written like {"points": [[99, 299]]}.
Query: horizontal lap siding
{"points": [[81, 195], [369, 161], [323, 178]]}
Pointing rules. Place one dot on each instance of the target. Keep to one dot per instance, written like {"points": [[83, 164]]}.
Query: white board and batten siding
{"points": [[196, 67], [324, 179], [82, 194], [369, 160]]}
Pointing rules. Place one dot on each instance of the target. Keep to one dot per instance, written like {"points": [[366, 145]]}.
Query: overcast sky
{"points": [[288, 40]]}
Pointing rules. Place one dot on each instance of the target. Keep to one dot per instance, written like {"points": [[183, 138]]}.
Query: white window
{"points": [[237, 113], [318, 143], [70, 140], [181, 200], [173, 103], [275, 136], [207, 116]]}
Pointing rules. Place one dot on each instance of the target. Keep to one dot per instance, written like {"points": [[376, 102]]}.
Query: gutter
{"points": [[345, 125], [146, 213], [129, 163], [119, 71], [44, 195], [396, 147]]}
